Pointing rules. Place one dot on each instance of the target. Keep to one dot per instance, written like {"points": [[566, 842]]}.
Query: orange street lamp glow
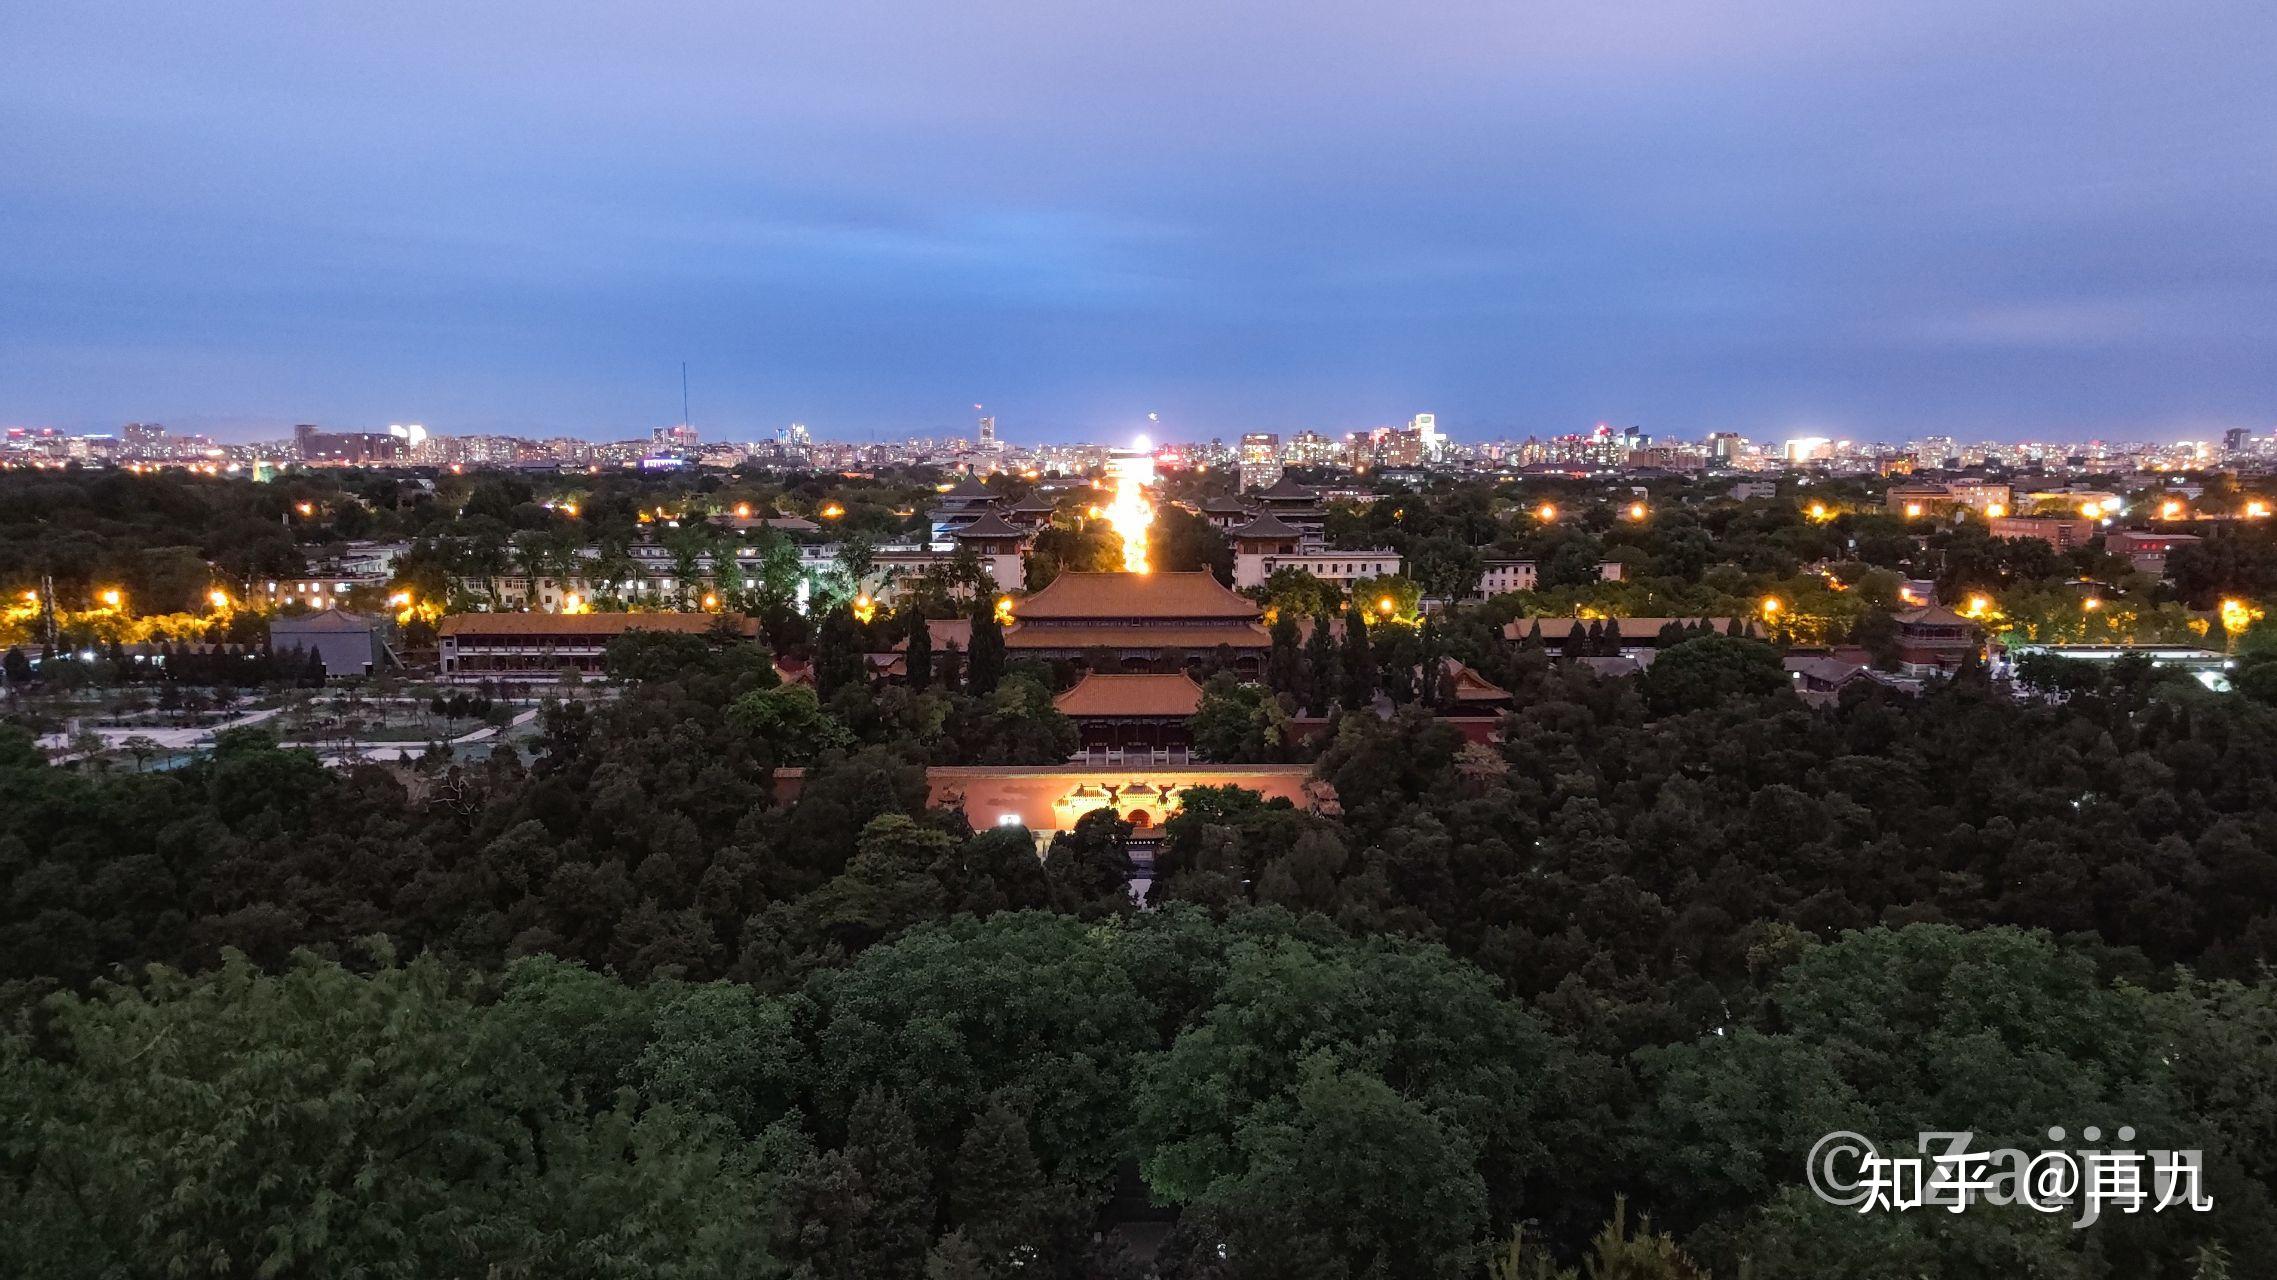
{"points": [[1994, 511], [1385, 606], [1912, 510], [219, 599], [2091, 604], [111, 598], [1818, 511], [864, 608], [743, 511], [1003, 610], [1771, 606], [1547, 512], [569, 509], [305, 508], [2237, 615], [710, 601], [2256, 509], [1636, 511], [831, 511], [2091, 510], [2170, 511], [1978, 606]]}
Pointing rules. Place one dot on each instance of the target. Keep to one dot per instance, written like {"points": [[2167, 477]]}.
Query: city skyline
{"points": [[1804, 220]]}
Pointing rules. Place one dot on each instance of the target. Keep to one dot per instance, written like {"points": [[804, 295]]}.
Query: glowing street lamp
{"points": [[1386, 606], [743, 511], [1004, 610], [1995, 510], [1771, 606], [2237, 615], [112, 598], [2092, 510], [1912, 510], [1547, 513], [711, 601], [2170, 510], [2256, 510], [1978, 606], [1636, 511], [305, 508], [864, 608], [219, 599], [1819, 512], [831, 511], [2091, 604]]}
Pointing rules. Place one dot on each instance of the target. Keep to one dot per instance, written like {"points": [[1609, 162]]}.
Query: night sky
{"points": [[1786, 217]]}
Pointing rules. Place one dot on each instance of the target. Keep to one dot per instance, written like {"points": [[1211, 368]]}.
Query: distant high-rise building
{"points": [[1724, 446], [988, 441], [315, 444], [681, 436], [1426, 429], [1260, 448], [1932, 452], [2235, 441], [140, 436]]}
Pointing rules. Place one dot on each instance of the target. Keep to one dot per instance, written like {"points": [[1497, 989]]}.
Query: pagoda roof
{"points": [[1285, 489], [1075, 596], [1106, 694], [989, 525], [1267, 525], [1220, 504], [1934, 615], [969, 489], [329, 620], [1035, 502]]}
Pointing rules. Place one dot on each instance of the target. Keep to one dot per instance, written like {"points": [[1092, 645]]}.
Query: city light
{"points": [[1912, 510], [1004, 611], [2237, 615], [2092, 510], [2091, 604], [568, 509], [831, 511], [219, 599], [1771, 606], [112, 598], [1995, 510], [2256, 509], [1546, 513], [711, 602], [743, 511], [864, 608], [1818, 511], [571, 602], [1636, 511], [1386, 606], [1977, 606], [2170, 510]]}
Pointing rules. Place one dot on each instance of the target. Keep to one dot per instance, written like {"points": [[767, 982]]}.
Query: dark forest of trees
{"points": [[609, 1008]]}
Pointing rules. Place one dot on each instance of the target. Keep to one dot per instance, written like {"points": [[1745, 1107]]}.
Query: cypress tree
{"points": [[1320, 666], [1359, 664], [985, 664], [919, 660]]}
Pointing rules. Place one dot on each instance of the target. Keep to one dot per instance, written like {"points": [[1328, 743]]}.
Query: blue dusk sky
{"points": [[1990, 220]]}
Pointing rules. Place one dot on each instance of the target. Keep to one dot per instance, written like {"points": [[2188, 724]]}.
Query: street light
{"points": [[112, 598], [1636, 511], [1386, 606], [1547, 512], [219, 599], [1771, 606]]}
